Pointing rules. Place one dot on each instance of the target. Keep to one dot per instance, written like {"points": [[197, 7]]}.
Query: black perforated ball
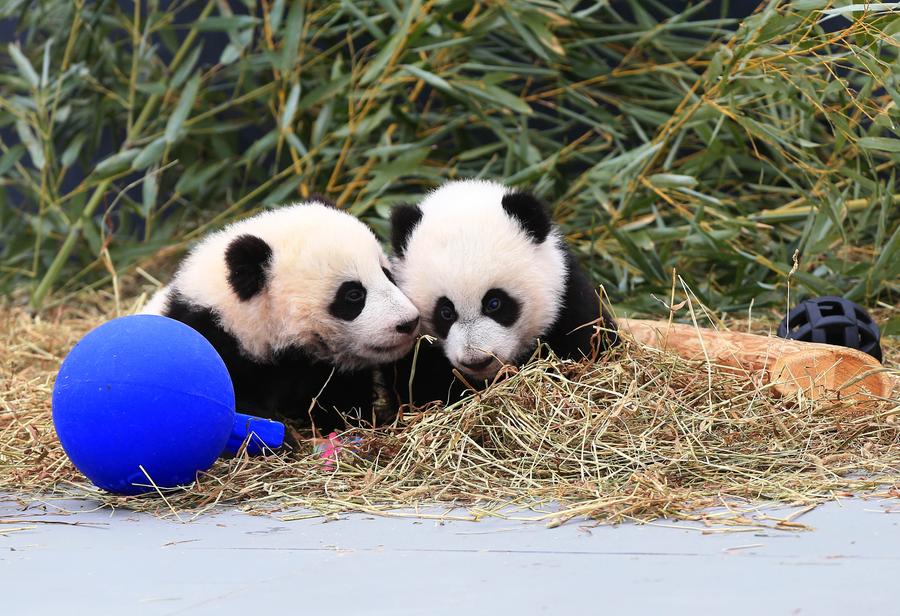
{"points": [[833, 320]]}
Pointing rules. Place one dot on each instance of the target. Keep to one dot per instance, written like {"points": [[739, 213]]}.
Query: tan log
{"points": [[790, 365]]}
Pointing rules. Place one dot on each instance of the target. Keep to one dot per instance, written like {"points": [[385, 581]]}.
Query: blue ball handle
{"points": [[264, 434]]}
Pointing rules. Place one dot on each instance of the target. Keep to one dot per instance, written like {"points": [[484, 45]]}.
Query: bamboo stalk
{"points": [[66, 249]]}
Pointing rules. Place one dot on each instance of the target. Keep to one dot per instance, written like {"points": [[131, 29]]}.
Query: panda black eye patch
{"points": [[349, 301], [500, 306], [444, 316]]}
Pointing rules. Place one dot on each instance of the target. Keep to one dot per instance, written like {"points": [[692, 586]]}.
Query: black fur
{"points": [[286, 386], [408, 327], [530, 213], [444, 316], [389, 275], [433, 381], [320, 198], [404, 219], [508, 312], [349, 301], [570, 337], [247, 258]]}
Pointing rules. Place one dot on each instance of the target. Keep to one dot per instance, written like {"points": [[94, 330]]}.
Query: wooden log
{"points": [[816, 369]]}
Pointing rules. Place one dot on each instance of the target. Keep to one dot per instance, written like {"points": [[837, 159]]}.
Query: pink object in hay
{"points": [[329, 449]]}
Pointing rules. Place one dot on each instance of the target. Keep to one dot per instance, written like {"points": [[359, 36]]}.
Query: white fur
{"points": [[315, 248], [157, 303], [465, 245]]}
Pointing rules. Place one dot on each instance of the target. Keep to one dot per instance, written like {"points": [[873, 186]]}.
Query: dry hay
{"points": [[637, 437]]}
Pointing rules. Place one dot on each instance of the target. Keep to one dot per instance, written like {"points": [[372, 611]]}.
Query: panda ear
{"points": [[320, 198], [530, 213], [404, 219], [247, 258]]}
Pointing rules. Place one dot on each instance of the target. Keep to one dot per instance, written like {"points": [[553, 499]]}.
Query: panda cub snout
{"points": [[386, 324]]}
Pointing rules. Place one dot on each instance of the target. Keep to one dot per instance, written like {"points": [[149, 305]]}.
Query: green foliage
{"points": [[663, 139]]}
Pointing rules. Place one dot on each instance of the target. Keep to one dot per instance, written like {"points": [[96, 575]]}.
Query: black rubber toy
{"points": [[833, 320]]}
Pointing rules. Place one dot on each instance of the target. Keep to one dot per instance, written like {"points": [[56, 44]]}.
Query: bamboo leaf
{"points": [[321, 92], [35, 150], [886, 267], [22, 63], [275, 15], [227, 23], [116, 163], [290, 107], [260, 146], [322, 123], [196, 177], [377, 65], [293, 28], [187, 67], [72, 150], [295, 143], [493, 95], [150, 154], [182, 109], [645, 261], [868, 7], [891, 328], [10, 158], [149, 193], [672, 180], [883, 144], [430, 78], [280, 192], [45, 67]]}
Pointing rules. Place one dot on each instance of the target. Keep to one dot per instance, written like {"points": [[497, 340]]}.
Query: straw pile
{"points": [[639, 436]]}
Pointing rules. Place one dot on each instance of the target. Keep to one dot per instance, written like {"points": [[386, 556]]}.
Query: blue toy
{"points": [[148, 391]]}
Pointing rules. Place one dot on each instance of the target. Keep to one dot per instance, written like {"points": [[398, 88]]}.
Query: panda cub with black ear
{"points": [[299, 303], [491, 275]]}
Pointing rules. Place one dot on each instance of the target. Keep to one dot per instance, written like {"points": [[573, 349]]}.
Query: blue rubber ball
{"points": [[143, 391]]}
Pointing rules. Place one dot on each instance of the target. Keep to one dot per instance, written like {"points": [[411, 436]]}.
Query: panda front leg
{"points": [[344, 399], [421, 377]]}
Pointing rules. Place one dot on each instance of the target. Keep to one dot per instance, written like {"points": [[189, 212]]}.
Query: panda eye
{"points": [[443, 317], [500, 306], [355, 295], [349, 301]]}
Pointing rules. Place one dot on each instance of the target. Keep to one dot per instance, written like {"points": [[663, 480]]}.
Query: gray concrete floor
{"points": [[233, 563]]}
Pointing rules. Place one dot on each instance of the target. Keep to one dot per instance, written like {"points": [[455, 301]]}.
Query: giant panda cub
{"points": [[299, 303], [491, 275]]}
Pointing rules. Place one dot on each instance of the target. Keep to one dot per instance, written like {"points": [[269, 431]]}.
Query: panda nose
{"points": [[408, 327], [476, 366]]}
